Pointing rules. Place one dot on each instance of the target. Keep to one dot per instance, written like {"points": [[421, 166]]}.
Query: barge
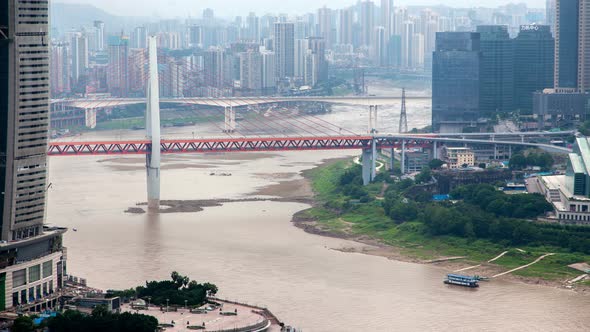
{"points": [[461, 280]]}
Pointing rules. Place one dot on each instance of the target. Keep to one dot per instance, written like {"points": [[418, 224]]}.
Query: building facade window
{"points": [[19, 278], [34, 273], [47, 269]]}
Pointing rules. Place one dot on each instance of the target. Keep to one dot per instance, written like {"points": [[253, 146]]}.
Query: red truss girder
{"points": [[225, 145]]}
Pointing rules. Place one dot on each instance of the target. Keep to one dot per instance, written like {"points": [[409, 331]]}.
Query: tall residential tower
{"points": [[32, 259]]}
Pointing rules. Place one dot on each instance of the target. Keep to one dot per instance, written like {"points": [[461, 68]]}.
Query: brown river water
{"points": [[254, 254]]}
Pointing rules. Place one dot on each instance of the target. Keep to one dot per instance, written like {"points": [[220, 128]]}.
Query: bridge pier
{"points": [[367, 162], [435, 150], [152, 162], [403, 157], [230, 120]]}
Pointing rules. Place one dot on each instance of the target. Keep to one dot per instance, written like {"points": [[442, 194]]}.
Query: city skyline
{"points": [[185, 8]]}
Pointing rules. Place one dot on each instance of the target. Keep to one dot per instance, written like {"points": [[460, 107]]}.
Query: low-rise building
{"points": [[570, 193], [458, 157]]}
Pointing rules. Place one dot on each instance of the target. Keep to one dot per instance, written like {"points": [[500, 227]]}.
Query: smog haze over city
{"points": [[228, 8]]}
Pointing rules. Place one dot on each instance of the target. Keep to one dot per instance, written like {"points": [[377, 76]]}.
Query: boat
{"points": [[461, 280], [480, 278]]}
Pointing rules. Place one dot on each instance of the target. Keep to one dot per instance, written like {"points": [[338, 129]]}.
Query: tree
{"points": [[23, 324], [424, 176], [518, 161], [435, 164]]}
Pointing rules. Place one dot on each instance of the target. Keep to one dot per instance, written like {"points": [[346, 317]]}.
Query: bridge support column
{"points": [[495, 152], [230, 120], [374, 158], [367, 162], [403, 157], [372, 127], [152, 163], [435, 150], [90, 118]]}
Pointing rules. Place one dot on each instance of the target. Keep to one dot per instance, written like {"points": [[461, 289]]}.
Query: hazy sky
{"points": [[228, 8]]}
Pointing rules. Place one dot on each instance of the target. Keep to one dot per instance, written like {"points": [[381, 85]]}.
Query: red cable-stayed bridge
{"points": [[312, 133]]}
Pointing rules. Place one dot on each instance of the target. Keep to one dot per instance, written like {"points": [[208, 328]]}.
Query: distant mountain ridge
{"points": [[66, 17]]}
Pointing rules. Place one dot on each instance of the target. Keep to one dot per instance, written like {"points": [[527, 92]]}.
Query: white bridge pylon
{"points": [[153, 158], [230, 120]]}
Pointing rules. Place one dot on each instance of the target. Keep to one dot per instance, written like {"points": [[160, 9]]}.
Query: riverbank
{"points": [[407, 242]]}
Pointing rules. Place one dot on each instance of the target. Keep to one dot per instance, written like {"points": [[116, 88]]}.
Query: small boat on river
{"points": [[461, 280]]}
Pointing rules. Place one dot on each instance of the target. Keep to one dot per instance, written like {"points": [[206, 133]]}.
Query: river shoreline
{"points": [[375, 247]]}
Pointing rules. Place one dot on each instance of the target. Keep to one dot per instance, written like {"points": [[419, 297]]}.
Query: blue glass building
{"points": [[455, 80]]}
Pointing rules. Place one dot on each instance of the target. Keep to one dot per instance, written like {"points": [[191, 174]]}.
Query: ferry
{"points": [[461, 280]]}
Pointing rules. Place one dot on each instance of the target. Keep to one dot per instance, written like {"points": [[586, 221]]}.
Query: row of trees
{"points": [[100, 320], [520, 161], [487, 198], [177, 290], [482, 212]]}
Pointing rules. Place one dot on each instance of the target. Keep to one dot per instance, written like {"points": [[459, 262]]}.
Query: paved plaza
{"points": [[213, 320]]}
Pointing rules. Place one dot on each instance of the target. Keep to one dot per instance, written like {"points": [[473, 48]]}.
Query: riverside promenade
{"points": [[228, 317]]}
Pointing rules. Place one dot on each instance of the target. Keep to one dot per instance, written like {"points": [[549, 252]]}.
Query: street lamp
{"points": [[167, 304], [185, 304]]}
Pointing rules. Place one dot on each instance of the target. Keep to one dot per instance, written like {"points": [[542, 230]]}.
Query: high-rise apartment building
{"points": [[407, 35], [100, 35], [140, 37], [455, 80], [253, 31], [251, 71], [32, 259], [325, 25], [534, 54], [215, 67], [299, 57], [79, 50], [379, 47], [497, 69], [284, 48], [367, 21], [268, 71], [345, 27], [60, 69], [387, 17], [118, 67]]}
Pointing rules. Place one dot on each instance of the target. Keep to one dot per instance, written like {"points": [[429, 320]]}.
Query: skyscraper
{"points": [[32, 264], [408, 31], [118, 67], [100, 36], [60, 69], [268, 71], [534, 54], [550, 14], [284, 48], [251, 71], [346, 21], [325, 25], [455, 80], [584, 46], [140, 36], [387, 17], [566, 43], [79, 49], [379, 47], [253, 28], [367, 21], [497, 70]]}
